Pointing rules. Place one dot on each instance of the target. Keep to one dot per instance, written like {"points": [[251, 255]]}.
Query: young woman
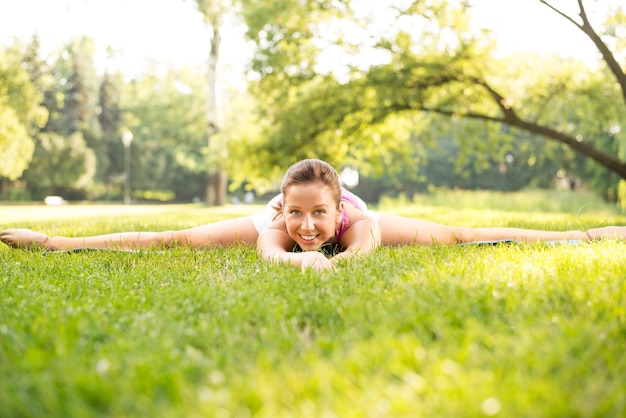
{"points": [[312, 213]]}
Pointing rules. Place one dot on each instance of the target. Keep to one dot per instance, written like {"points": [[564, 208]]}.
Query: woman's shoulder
{"points": [[278, 223], [355, 213], [356, 201]]}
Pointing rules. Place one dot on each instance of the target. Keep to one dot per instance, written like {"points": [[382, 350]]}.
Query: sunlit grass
{"points": [[534, 201], [511, 330], [35, 214]]}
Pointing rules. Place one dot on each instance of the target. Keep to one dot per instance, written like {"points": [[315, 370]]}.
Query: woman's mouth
{"points": [[308, 238]]}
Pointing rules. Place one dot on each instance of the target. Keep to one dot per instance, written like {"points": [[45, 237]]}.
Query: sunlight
{"points": [[30, 213], [140, 42]]}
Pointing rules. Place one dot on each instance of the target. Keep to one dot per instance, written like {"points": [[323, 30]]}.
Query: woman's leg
{"points": [[398, 230], [223, 233]]}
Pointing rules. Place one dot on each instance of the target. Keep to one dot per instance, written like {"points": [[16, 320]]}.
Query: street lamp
{"points": [[127, 139]]}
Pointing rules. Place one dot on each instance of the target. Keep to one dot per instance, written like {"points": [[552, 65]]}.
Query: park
{"points": [[508, 330], [428, 119]]}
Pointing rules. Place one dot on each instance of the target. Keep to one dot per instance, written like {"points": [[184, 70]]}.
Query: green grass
{"points": [[533, 201], [508, 331]]}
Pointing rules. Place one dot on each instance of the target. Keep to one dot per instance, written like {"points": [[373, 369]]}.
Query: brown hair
{"points": [[313, 171]]}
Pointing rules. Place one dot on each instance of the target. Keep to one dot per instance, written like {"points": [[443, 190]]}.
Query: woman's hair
{"points": [[313, 171]]}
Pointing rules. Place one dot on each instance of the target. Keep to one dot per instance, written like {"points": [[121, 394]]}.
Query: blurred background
{"points": [[210, 101]]}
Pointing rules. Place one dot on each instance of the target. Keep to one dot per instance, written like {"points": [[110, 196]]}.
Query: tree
{"points": [[15, 147], [167, 115], [213, 12], [20, 114], [110, 118], [72, 129], [447, 69], [62, 165]]}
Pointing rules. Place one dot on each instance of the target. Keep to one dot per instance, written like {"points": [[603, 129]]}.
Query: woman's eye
{"points": [[295, 212], [320, 212]]}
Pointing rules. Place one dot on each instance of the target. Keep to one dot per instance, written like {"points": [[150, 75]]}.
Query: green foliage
{"points": [[64, 160], [512, 330], [112, 125], [20, 115], [73, 96], [15, 148], [213, 11], [421, 57], [18, 91], [243, 128], [60, 165], [615, 30], [442, 203], [390, 89], [88, 116], [170, 135]]}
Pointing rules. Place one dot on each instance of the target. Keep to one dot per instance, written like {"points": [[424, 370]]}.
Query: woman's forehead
{"points": [[310, 193]]}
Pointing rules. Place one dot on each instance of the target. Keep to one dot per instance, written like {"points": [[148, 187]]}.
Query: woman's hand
{"points": [[275, 245], [315, 260]]}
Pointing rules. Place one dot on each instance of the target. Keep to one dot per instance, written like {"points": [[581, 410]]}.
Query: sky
{"points": [[172, 31], [142, 32]]}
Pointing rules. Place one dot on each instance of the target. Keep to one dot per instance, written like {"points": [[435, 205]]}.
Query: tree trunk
{"points": [[217, 180], [5, 188], [217, 184]]}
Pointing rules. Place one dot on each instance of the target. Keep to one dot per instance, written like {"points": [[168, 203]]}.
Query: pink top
{"points": [[347, 196]]}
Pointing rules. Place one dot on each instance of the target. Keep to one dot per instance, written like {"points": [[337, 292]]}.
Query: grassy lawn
{"points": [[510, 331]]}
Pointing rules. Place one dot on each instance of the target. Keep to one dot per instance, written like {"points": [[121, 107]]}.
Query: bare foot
{"points": [[608, 232], [23, 238]]}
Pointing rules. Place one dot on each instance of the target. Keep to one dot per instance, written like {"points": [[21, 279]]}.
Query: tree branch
{"points": [[505, 106], [588, 30], [611, 162]]}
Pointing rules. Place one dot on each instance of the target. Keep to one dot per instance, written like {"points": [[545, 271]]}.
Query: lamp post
{"points": [[127, 139]]}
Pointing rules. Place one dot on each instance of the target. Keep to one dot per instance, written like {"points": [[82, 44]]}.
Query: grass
{"points": [[533, 201], [509, 331]]}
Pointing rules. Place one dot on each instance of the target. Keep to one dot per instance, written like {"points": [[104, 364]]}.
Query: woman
{"points": [[313, 212]]}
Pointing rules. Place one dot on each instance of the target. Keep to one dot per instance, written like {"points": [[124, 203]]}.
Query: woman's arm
{"points": [[276, 246], [361, 238]]}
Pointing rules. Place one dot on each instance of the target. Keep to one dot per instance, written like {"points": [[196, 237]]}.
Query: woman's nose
{"points": [[307, 223]]}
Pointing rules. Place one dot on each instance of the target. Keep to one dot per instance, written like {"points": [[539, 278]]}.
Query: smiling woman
{"points": [[312, 221], [312, 212]]}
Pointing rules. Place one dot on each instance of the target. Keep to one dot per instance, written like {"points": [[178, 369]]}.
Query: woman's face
{"points": [[311, 215]]}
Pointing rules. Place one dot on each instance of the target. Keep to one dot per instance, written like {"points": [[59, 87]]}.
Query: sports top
{"points": [[347, 196]]}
